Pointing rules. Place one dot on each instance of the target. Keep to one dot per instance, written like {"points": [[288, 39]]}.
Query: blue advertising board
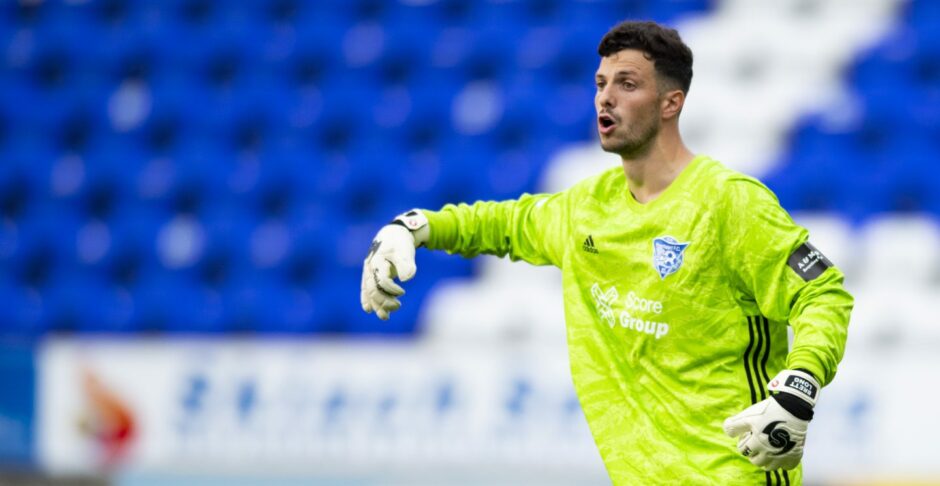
{"points": [[17, 403]]}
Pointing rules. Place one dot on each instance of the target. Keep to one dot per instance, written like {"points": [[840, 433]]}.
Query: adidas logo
{"points": [[588, 245]]}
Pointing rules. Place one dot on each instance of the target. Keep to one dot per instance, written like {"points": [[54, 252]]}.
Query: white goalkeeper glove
{"points": [[772, 433], [391, 255]]}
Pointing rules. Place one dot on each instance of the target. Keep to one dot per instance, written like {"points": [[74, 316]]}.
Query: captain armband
{"points": [[808, 262]]}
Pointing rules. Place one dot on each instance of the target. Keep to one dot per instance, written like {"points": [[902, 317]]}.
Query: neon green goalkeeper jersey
{"points": [[676, 310]]}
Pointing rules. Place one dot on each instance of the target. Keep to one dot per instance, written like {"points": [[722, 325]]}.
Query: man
{"points": [[680, 278]]}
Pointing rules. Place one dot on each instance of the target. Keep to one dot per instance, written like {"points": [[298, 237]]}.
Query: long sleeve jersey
{"points": [[676, 310]]}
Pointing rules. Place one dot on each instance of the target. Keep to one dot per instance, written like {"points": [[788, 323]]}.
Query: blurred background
{"points": [[188, 188]]}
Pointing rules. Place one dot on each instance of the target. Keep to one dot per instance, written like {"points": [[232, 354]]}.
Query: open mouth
{"points": [[606, 123]]}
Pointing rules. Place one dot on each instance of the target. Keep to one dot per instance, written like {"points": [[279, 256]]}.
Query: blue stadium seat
{"points": [[324, 117], [25, 312]]}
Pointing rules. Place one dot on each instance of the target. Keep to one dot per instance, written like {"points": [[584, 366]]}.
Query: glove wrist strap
{"points": [[800, 384], [416, 222], [796, 406]]}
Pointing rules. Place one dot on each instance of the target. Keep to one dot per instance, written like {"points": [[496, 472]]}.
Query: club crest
{"points": [[667, 255]]}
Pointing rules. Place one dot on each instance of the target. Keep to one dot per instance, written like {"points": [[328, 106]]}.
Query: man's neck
{"points": [[650, 174]]}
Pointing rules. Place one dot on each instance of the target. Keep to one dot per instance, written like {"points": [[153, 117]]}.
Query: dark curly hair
{"points": [[662, 45]]}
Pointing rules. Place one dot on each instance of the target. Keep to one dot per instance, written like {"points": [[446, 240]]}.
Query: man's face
{"points": [[627, 102]]}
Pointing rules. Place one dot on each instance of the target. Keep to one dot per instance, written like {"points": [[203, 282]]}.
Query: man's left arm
{"points": [[791, 281], [819, 316]]}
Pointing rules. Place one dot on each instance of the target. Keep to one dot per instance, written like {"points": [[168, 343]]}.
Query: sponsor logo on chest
{"points": [[638, 314]]}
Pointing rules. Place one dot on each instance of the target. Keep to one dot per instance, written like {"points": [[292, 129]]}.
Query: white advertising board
{"points": [[309, 407], [368, 408]]}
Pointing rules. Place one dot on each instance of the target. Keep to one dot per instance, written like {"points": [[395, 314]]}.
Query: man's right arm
{"points": [[531, 228]]}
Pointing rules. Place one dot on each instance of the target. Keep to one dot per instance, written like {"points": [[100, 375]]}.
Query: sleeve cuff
{"points": [[805, 360], [441, 226]]}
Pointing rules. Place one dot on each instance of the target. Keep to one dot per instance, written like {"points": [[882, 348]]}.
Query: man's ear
{"points": [[672, 103]]}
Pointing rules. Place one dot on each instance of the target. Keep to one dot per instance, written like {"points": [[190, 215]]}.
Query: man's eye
{"points": [[628, 85]]}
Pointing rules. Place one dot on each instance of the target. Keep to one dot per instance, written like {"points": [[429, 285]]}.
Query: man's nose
{"points": [[604, 98]]}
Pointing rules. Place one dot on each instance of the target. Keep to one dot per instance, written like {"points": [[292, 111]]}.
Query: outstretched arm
{"points": [[530, 228]]}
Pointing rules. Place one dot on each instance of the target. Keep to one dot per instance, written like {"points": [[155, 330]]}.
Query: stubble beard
{"points": [[635, 142]]}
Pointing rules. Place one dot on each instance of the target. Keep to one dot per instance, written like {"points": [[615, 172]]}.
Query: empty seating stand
{"points": [[180, 166]]}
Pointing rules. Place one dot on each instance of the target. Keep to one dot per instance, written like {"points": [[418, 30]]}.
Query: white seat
{"points": [[575, 163], [898, 249], [898, 316], [509, 301], [834, 237]]}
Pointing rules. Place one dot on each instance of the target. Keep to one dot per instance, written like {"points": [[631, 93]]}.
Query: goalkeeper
{"points": [[680, 278]]}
